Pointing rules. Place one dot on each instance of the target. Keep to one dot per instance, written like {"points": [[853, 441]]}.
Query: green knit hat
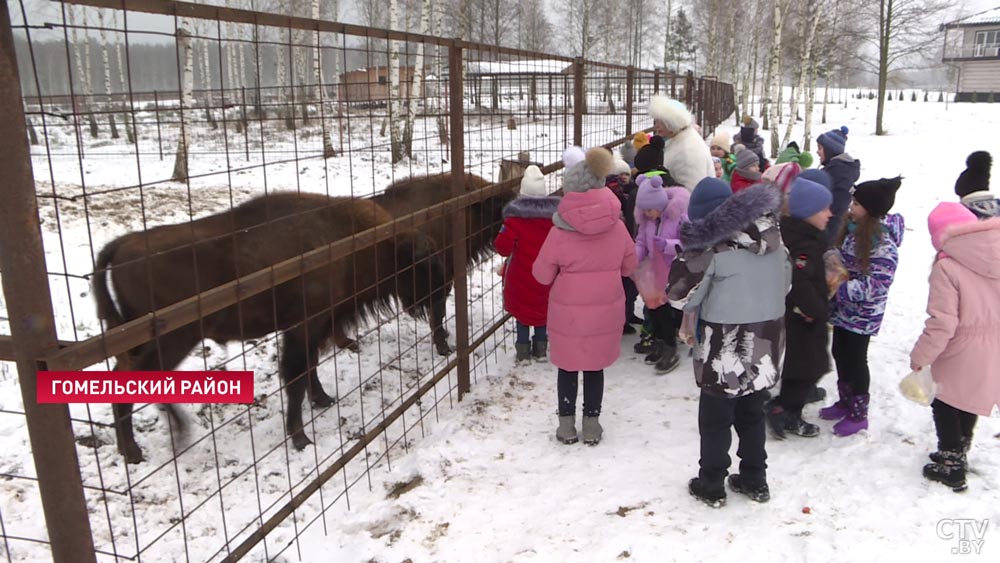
{"points": [[793, 154]]}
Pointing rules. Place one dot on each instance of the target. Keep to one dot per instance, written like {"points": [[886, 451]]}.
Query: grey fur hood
{"points": [[527, 207], [747, 220]]}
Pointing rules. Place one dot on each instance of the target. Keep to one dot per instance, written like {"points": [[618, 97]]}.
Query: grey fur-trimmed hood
{"points": [[526, 207], [748, 220]]}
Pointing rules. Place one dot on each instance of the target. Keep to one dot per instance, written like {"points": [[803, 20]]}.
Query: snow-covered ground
{"points": [[485, 479]]}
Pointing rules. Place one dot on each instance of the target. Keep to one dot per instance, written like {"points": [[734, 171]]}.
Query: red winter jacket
{"points": [[526, 223], [740, 182]]}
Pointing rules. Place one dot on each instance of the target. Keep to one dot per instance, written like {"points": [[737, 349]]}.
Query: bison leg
{"points": [[438, 332], [298, 371], [124, 433], [164, 356]]}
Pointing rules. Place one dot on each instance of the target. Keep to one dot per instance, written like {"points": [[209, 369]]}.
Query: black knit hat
{"points": [[878, 196], [976, 176], [650, 156]]}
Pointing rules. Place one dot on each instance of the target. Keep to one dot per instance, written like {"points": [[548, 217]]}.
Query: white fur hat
{"points": [[533, 182], [671, 112], [572, 155], [622, 167]]}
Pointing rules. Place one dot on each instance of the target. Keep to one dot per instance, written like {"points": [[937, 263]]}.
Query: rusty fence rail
{"points": [[126, 115]]}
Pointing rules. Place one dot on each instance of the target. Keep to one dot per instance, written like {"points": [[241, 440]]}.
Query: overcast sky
{"points": [[41, 11]]}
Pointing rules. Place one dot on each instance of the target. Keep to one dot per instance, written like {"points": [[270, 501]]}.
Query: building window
{"points": [[987, 43]]}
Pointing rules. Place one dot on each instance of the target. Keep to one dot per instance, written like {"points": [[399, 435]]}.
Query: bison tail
{"points": [[106, 308]]}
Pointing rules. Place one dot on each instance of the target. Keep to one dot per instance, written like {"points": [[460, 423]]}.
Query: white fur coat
{"points": [[687, 158]]}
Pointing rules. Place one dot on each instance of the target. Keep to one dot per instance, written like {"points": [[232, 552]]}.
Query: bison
{"points": [[164, 265]]}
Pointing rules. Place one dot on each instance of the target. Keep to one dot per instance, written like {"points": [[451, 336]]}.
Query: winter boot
{"points": [[936, 457], [539, 349], [645, 344], [816, 395], [669, 360], [777, 419], [755, 492], [566, 433], [592, 430], [856, 420], [523, 353], [654, 355], [628, 329], [712, 496], [950, 472], [841, 408], [795, 425]]}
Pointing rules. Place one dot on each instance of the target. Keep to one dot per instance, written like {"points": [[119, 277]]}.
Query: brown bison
{"points": [[167, 264]]}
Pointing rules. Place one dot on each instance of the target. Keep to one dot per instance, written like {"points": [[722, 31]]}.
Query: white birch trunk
{"points": [[107, 74], [125, 87], [187, 100], [774, 72], [812, 9], [810, 105], [396, 117], [416, 86]]}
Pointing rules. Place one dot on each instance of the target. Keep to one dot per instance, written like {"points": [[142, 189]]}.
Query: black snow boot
{"points": [[654, 355], [714, 496], [816, 395], [645, 344], [669, 360], [950, 472], [757, 492], [936, 457]]}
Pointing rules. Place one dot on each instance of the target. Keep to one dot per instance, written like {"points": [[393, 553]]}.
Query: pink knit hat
{"points": [[945, 215]]}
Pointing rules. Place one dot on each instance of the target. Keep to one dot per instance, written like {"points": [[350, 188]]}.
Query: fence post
{"points": [[460, 223], [578, 101], [156, 110], [629, 98], [32, 324], [656, 82]]}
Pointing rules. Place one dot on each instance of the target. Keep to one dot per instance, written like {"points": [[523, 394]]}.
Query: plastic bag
{"points": [[836, 272], [919, 387], [651, 280]]}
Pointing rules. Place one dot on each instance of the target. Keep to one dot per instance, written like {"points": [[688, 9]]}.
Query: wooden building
{"points": [[972, 48]]}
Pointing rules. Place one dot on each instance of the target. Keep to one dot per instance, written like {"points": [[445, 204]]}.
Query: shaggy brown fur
{"points": [[167, 264]]}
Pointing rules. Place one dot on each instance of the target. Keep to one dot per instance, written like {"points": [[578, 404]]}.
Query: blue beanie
{"points": [[816, 175], [651, 194], [707, 195], [807, 198], [834, 141]]}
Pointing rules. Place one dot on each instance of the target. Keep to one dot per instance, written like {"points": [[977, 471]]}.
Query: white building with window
{"points": [[972, 49]]}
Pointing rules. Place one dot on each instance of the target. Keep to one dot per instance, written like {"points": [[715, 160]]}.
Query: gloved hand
{"points": [[660, 244]]}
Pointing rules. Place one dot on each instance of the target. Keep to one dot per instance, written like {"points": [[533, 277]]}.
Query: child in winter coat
{"points": [[869, 244], [719, 147], [973, 186], [734, 274], [583, 259], [747, 172], [659, 214], [844, 171], [749, 138], [806, 307], [526, 222], [961, 338], [620, 183]]}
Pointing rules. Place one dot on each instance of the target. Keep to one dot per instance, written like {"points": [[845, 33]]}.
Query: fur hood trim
{"points": [[748, 212], [527, 207], [670, 111]]}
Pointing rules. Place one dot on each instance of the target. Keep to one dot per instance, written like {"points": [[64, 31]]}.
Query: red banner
{"points": [[145, 387]]}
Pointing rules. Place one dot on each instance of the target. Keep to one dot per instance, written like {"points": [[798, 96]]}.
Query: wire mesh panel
{"points": [[222, 189]]}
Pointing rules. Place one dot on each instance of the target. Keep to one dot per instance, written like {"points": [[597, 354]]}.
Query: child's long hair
{"points": [[866, 234]]}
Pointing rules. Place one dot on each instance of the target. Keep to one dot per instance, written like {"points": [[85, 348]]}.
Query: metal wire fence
{"points": [[132, 116]]}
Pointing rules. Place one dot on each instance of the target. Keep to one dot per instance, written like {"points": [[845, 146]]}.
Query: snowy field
{"points": [[485, 479]]}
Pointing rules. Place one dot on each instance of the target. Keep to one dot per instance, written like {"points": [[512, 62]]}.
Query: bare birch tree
{"points": [[774, 72], [396, 117], [107, 74], [187, 100], [812, 10]]}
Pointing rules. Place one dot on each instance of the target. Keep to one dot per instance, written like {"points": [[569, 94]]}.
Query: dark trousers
{"points": [[716, 418], [850, 353], [795, 391], [665, 321], [631, 294], [541, 333], [593, 392], [953, 426]]}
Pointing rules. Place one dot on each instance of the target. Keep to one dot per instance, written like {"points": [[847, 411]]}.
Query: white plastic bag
{"points": [[919, 387]]}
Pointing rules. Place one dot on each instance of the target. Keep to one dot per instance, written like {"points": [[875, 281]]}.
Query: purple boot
{"points": [[857, 420], [842, 407]]}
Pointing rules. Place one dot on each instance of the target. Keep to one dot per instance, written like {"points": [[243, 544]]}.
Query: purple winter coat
{"points": [[859, 304]]}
